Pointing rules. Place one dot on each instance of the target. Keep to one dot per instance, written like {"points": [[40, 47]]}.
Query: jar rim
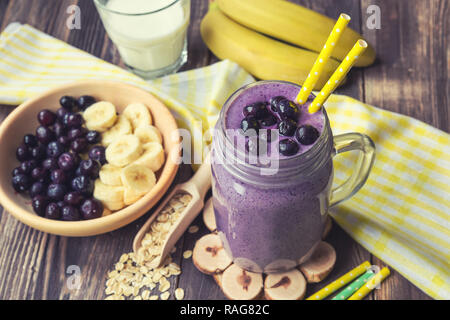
{"points": [[310, 159]]}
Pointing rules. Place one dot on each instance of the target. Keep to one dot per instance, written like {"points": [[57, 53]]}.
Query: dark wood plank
{"points": [[333, 9], [412, 46], [199, 55], [411, 77]]}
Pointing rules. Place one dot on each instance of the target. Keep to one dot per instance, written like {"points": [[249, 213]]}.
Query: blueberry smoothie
{"points": [[271, 107], [272, 223]]}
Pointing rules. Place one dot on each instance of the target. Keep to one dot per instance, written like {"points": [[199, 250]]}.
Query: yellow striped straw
{"points": [[339, 75], [339, 283], [371, 284], [323, 58]]}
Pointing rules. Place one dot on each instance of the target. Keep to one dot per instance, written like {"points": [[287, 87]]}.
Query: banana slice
{"points": [[139, 179], [239, 284], [100, 116], [130, 196], [148, 133], [110, 175], [124, 150], [209, 255], [114, 205], [110, 196], [121, 128], [289, 285], [320, 264], [138, 114], [153, 157]]}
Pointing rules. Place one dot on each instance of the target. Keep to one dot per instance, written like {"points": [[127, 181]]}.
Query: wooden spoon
{"points": [[197, 187]]}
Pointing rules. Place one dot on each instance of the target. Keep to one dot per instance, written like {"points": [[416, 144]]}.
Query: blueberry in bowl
{"points": [[69, 103]]}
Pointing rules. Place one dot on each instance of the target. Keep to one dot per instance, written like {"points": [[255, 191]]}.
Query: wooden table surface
{"points": [[410, 77]]}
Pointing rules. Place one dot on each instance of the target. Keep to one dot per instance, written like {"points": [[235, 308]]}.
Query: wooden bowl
{"points": [[23, 120]]}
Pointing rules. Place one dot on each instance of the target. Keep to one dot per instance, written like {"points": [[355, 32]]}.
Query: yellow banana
{"points": [[262, 56], [293, 23]]}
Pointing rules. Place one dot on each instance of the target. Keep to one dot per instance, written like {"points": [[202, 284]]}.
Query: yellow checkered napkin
{"points": [[402, 215]]}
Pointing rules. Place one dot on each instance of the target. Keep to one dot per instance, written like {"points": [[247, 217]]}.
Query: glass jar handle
{"points": [[349, 142]]}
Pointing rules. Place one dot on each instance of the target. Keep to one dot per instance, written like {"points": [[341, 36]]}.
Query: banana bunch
{"points": [[246, 32], [134, 153]]}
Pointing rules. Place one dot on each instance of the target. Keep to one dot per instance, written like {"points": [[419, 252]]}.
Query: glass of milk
{"points": [[151, 35]]}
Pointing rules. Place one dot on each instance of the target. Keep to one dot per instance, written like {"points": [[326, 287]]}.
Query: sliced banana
{"points": [[110, 196], [320, 264], [153, 157], [100, 116], [110, 175], [239, 284], [124, 150], [138, 178], [209, 255], [148, 133], [121, 127], [289, 285], [130, 196], [114, 205], [138, 114]]}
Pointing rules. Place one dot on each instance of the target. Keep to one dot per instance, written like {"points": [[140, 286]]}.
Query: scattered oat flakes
{"points": [[133, 275], [165, 295], [193, 229], [119, 266], [145, 294], [179, 294], [163, 287], [187, 254]]}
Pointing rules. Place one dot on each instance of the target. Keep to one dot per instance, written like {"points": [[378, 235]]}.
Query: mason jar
{"points": [[270, 219]]}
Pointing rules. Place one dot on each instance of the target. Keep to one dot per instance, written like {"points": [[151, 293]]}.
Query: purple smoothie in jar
{"points": [[271, 223]]}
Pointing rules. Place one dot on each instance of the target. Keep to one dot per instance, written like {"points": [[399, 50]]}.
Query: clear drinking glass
{"points": [[151, 35]]}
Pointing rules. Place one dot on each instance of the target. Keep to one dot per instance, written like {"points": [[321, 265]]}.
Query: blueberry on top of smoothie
{"points": [[288, 109], [287, 127], [307, 135], [288, 147], [274, 102], [257, 110], [269, 121], [249, 125], [255, 147]]}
